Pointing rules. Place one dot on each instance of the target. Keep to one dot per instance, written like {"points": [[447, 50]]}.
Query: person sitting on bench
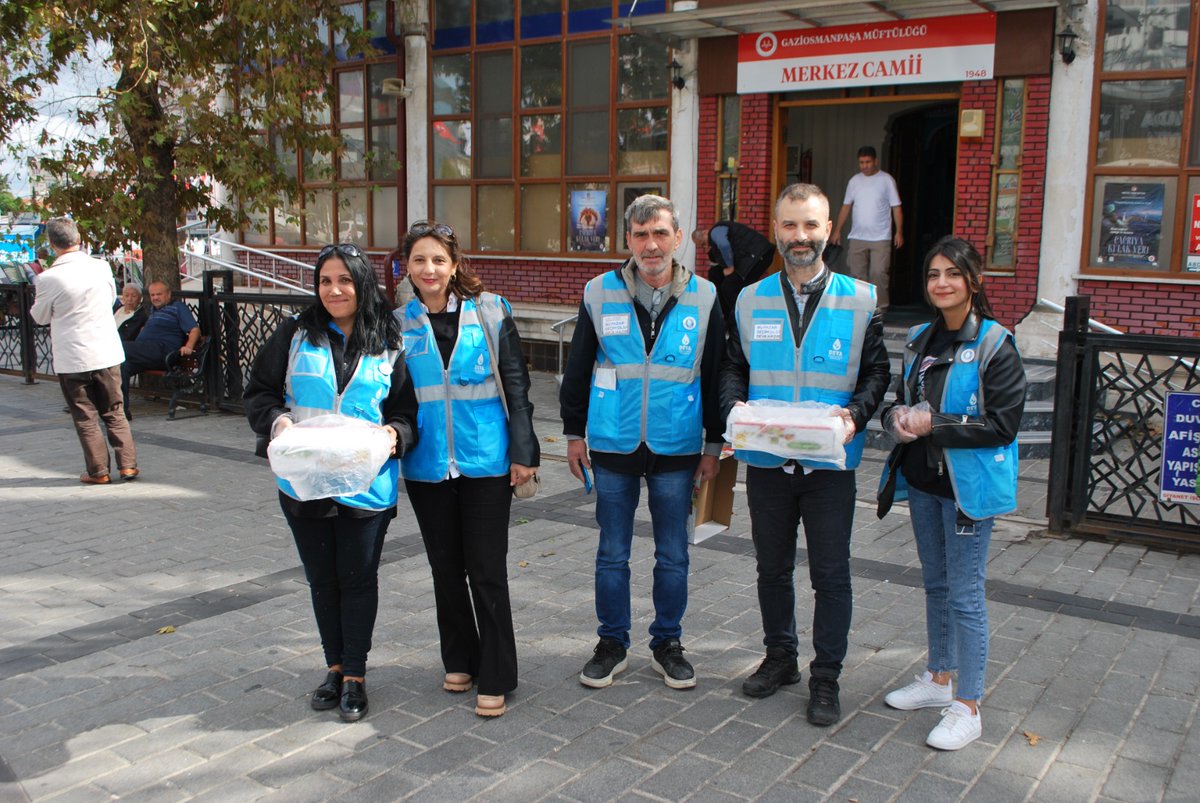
{"points": [[171, 327]]}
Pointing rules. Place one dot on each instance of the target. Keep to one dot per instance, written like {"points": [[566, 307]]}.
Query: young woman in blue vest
{"points": [[464, 353], [342, 354], [956, 423]]}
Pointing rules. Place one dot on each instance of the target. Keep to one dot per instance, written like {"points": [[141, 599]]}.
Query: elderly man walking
{"points": [[75, 296]]}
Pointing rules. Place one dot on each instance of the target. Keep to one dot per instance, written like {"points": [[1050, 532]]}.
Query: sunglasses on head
{"points": [[423, 227], [345, 249]]}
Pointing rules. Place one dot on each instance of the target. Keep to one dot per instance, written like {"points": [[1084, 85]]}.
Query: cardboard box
{"points": [[713, 503]]}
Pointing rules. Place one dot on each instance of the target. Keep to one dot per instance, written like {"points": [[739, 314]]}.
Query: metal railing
{"points": [[1107, 449], [560, 328]]}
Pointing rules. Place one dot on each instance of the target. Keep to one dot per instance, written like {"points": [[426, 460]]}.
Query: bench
{"points": [[185, 375]]}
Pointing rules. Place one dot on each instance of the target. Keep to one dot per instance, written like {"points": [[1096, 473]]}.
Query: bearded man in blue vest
{"points": [[641, 386], [805, 334]]}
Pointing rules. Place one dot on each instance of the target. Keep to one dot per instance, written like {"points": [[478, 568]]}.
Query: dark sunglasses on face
{"points": [[345, 249], [423, 227]]}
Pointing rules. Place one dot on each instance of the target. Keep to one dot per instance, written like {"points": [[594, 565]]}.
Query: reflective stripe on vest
{"points": [[628, 384], [984, 479], [823, 368], [460, 419], [310, 390]]}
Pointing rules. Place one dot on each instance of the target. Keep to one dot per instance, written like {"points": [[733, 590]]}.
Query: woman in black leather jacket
{"points": [[476, 445], [956, 420]]}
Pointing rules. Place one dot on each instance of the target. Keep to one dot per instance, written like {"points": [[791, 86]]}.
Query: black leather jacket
{"points": [[1003, 385]]}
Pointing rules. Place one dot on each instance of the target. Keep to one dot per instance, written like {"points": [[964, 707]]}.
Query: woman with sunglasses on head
{"points": [[467, 365], [955, 421], [342, 354]]}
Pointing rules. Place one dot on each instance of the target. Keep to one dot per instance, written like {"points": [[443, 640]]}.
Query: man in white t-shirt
{"points": [[873, 196]]}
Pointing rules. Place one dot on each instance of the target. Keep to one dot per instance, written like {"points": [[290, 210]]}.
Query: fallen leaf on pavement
{"points": [[1032, 738], [162, 631]]}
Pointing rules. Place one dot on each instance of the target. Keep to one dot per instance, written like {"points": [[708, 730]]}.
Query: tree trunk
{"points": [[155, 187]]}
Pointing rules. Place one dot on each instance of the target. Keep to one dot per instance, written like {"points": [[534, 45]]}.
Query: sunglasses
{"points": [[345, 249], [423, 227]]}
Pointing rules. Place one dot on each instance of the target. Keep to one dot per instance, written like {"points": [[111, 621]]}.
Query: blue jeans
{"points": [[955, 570], [617, 498], [824, 502]]}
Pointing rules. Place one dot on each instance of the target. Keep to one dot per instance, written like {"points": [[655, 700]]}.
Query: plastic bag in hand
{"points": [[919, 419], [808, 430], [894, 423], [329, 455]]}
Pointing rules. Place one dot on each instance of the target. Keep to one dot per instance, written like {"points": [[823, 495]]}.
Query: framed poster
{"points": [[589, 220], [1129, 229], [627, 194]]}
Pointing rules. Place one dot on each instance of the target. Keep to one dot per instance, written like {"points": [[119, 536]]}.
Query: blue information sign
{"points": [[1181, 449]]}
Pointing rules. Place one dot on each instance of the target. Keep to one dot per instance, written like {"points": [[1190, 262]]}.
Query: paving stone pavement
{"points": [[157, 643]]}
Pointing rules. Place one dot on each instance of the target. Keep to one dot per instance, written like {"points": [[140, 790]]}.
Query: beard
{"points": [[802, 260]]}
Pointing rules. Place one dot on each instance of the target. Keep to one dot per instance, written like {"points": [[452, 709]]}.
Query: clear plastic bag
{"points": [[808, 430], [329, 455]]}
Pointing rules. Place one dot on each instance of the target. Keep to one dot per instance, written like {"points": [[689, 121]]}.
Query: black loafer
{"points": [[328, 693], [354, 701]]}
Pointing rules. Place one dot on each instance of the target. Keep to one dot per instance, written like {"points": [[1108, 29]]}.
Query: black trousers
{"points": [[464, 523], [341, 562]]}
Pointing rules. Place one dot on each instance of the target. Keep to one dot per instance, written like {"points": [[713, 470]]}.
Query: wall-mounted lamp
{"points": [[1066, 44], [396, 88], [676, 74]]}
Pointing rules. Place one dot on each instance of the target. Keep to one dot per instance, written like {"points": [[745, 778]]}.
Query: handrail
{"points": [[261, 252], [238, 268], [1092, 322], [560, 327]]}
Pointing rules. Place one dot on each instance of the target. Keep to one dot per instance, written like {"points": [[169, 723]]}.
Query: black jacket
{"points": [[1003, 385], [874, 370], [132, 325], [577, 385], [264, 396], [753, 254]]}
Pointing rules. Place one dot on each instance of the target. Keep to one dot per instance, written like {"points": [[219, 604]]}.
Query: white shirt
{"points": [[75, 296], [873, 198]]}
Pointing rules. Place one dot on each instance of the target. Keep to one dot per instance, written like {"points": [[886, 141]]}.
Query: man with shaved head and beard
{"points": [[805, 334]]}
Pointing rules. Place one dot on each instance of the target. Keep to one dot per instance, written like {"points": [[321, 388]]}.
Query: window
{"points": [[542, 115], [1145, 154], [1006, 176], [363, 206], [728, 156]]}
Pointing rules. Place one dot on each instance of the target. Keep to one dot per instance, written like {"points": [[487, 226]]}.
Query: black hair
{"points": [[375, 328], [964, 257], [867, 150]]}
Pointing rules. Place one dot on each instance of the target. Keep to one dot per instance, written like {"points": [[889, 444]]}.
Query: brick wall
{"points": [[1012, 296], [1145, 308], [754, 173]]}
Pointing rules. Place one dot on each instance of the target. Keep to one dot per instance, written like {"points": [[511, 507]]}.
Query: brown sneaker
{"points": [[128, 474], [88, 479]]}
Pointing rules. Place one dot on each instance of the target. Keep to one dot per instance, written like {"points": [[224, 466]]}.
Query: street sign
{"points": [[1180, 449]]}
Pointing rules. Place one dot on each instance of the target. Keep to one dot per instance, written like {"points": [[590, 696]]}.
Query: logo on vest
{"points": [[689, 322], [685, 346], [973, 405], [480, 368], [835, 353], [967, 355]]}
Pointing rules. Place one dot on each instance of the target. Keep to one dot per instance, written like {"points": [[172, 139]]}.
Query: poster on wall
{"points": [[1193, 254], [589, 220], [1131, 224]]}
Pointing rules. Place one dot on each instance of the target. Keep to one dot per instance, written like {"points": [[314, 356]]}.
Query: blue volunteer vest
{"points": [[460, 419], [822, 368], [627, 383], [311, 390], [984, 479]]}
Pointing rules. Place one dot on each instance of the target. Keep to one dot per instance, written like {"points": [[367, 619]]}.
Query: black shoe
{"points": [[777, 669], [675, 669], [824, 709], [353, 704], [328, 693], [608, 660]]}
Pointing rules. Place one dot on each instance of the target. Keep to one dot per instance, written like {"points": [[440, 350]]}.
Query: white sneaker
{"points": [[924, 693], [958, 728]]}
